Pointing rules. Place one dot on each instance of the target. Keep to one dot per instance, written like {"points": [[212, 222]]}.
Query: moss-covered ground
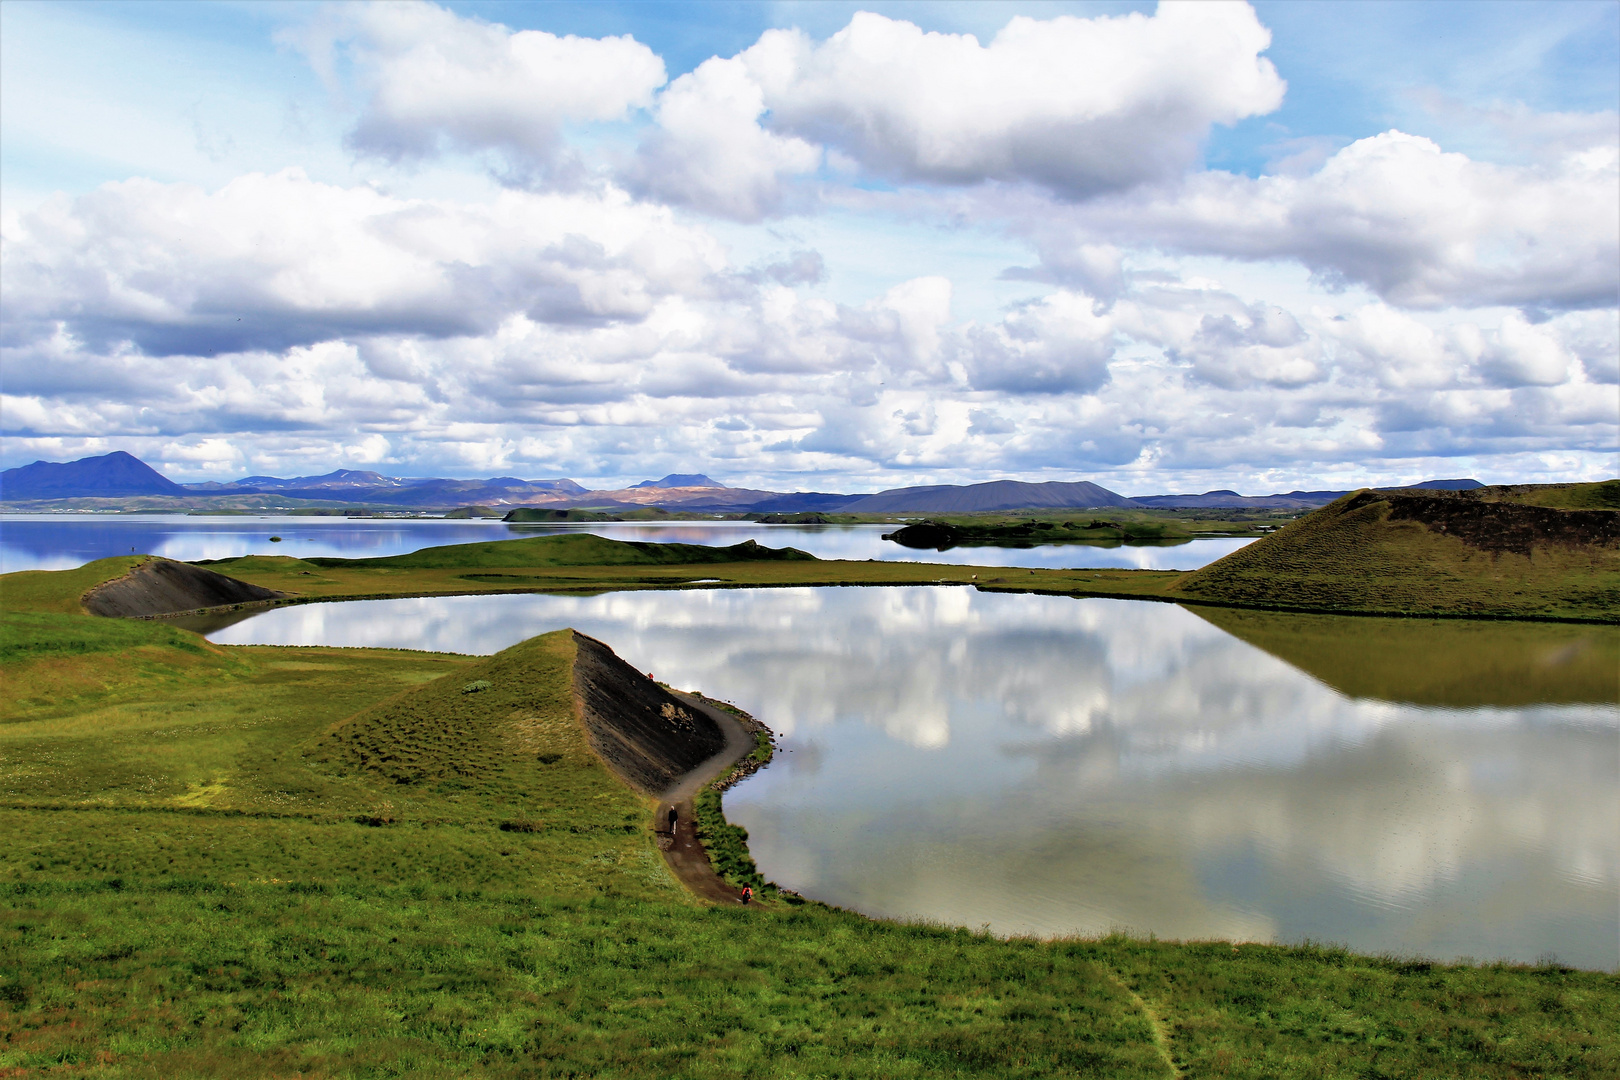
{"points": [[257, 861]]}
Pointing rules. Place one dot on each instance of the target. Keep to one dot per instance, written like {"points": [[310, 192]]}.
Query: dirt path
{"points": [[682, 852]]}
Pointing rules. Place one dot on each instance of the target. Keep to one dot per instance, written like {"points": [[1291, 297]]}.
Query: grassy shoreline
{"points": [[28, 592]]}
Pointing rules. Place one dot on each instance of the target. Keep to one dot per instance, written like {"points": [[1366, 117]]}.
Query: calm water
{"points": [[57, 542], [1047, 765]]}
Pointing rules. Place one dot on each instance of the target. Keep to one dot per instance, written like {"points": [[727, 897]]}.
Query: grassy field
{"points": [[257, 861]]}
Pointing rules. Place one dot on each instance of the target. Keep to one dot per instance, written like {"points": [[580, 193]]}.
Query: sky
{"points": [[815, 246]]}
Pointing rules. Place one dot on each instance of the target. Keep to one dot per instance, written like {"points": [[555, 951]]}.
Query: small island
{"points": [[944, 535]]}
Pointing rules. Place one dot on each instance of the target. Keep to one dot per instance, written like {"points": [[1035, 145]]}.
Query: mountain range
{"points": [[122, 475]]}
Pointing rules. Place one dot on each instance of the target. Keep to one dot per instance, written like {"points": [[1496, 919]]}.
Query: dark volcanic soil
{"points": [[1499, 526], [162, 587], [644, 733]]}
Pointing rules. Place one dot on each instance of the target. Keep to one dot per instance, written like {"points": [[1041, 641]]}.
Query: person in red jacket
{"points": [[748, 893]]}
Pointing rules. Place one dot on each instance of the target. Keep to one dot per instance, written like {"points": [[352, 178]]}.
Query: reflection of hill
{"points": [[1453, 663]]}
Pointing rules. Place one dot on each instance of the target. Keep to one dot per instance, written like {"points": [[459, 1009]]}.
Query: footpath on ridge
{"points": [[664, 744]]}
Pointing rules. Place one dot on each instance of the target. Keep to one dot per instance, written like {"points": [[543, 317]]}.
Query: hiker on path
{"points": [[748, 893], [673, 817]]}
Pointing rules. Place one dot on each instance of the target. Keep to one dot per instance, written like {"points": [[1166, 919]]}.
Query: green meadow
{"points": [[274, 862]]}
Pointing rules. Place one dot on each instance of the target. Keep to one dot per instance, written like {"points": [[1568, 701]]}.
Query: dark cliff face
{"points": [[163, 586], [1499, 526], [646, 735]]}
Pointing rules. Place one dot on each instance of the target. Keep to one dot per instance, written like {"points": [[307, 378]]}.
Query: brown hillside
{"points": [[1442, 554]]}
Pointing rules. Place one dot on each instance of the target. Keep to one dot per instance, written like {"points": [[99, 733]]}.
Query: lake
{"points": [[1047, 765], [61, 541]]}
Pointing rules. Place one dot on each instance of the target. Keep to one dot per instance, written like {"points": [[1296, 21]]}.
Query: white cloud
{"points": [[1057, 345], [1079, 106], [1420, 227], [709, 150], [435, 81], [276, 261]]}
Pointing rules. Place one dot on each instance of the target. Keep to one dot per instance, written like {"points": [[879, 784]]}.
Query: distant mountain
{"points": [[339, 478], [119, 474], [353, 485], [680, 480], [995, 495], [1445, 485], [1292, 500], [1231, 500], [109, 476], [798, 502]]}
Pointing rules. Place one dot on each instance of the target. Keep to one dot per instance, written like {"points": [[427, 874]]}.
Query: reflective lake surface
{"points": [[1048, 765], [61, 541]]}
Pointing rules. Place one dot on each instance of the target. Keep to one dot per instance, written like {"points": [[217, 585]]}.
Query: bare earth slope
{"points": [[1452, 553], [160, 586], [645, 734]]}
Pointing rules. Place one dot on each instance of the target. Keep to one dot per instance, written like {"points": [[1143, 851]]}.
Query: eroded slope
{"points": [[158, 586]]}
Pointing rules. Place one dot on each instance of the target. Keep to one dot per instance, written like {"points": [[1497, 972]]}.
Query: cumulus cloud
{"points": [[592, 334], [1420, 227], [272, 262], [435, 81], [1058, 345], [1079, 106], [709, 150]]}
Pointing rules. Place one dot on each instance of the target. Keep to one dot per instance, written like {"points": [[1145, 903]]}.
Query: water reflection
{"points": [[1047, 765], [1450, 662], [58, 542]]}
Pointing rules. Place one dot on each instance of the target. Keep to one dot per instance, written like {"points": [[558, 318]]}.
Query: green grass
{"points": [[1599, 496], [257, 861], [59, 590], [1352, 556], [30, 634]]}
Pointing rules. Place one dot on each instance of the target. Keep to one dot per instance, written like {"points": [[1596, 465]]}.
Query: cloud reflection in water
{"points": [[1048, 765]]}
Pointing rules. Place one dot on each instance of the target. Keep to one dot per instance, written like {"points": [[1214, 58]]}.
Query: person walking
{"points": [[674, 816], [748, 893]]}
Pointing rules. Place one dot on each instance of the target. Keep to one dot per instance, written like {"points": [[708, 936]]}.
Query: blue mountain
{"points": [[108, 476]]}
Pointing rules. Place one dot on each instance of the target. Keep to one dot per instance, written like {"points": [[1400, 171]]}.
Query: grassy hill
{"points": [[1487, 552], [258, 861]]}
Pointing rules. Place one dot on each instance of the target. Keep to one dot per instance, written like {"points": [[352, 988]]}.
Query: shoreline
{"points": [[1077, 594]]}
